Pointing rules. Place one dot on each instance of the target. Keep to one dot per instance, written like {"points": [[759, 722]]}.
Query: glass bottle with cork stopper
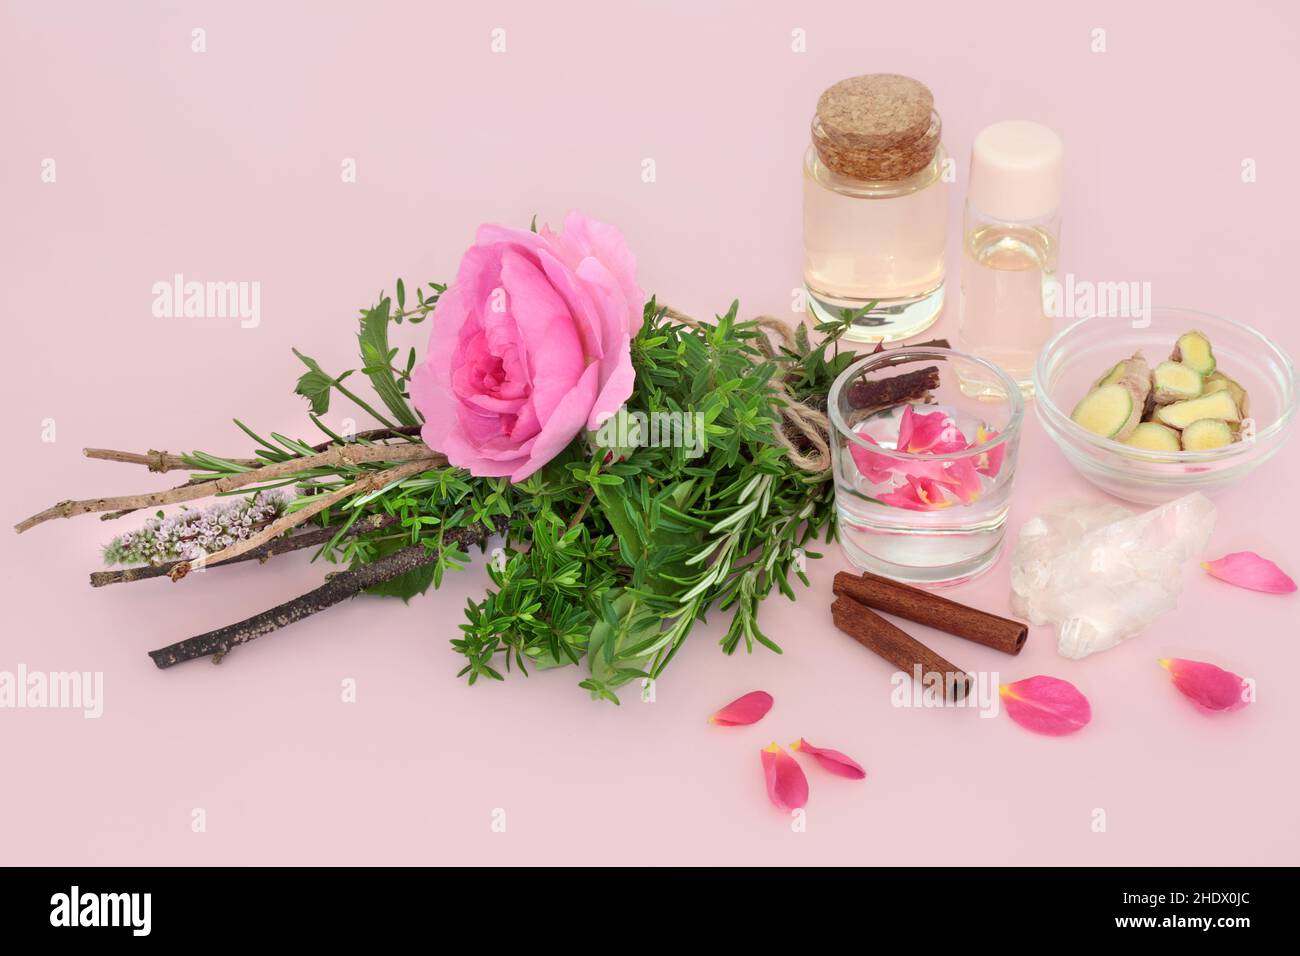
{"points": [[875, 208]]}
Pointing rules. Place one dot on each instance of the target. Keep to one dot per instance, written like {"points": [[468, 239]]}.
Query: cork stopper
{"points": [[876, 128]]}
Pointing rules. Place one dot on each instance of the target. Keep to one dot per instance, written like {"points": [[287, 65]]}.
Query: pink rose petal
{"points": [[1046, 705], [749, 709], [933, 432], [837, 763], [963, 478], [919, 494], [906, 425], [874, 465], [990, 462], [1246, 569], [787, 787], [1211, 688]]}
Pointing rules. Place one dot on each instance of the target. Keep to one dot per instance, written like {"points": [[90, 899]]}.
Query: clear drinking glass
{"points": [[923, 484]]}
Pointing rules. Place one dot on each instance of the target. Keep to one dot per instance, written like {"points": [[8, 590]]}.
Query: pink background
{"points": [[226, 166]]}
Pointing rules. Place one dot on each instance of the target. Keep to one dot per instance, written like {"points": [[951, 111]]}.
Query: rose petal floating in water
{"points": [[919, 494], [963, 478], [875, 466], [933, 433], [990, 462], [1046, 705]]}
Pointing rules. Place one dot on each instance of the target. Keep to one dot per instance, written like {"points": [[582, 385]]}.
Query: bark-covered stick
{"points": [[893, 389], [216, 644]]}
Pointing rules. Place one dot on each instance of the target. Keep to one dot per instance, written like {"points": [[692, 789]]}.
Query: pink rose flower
{"points": [[530, 346]]}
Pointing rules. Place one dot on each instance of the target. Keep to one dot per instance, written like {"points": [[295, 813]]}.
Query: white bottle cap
{"points": [[1015, 171]]}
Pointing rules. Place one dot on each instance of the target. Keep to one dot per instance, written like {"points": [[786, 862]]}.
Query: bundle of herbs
{"points": [[610, 551]]}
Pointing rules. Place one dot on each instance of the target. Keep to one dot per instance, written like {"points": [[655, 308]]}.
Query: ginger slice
{"points": [[1181, 414], [1193, 349], [1176, 382], [1112, 377], [1205, 434], [1109, 411], [1218, 382], [1136, 378], [1153, 437]]}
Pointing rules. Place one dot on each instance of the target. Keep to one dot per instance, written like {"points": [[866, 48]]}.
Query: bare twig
{"points": [[371, 481], [216, 644], [377, 434], [159, 461], [294, 542], [177, 461], [335, 457]]}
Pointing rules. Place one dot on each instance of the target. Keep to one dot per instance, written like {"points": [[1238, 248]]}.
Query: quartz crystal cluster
{"points": [[1102, 573], [190, 534]]}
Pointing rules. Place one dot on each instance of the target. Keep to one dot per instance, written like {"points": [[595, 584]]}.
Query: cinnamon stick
{"points": [[923, 607], [903, 651]]}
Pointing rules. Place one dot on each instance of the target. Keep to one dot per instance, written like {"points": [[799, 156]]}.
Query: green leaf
{"points": [[629, 536], [314, 385], [408, 585], [377, 359]]}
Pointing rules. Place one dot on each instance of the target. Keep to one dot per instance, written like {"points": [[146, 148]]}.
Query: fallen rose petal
{"points": [[1046, 705], [787, 787], [1211, 688], [744, 710], [837, 763], [1246, 569]]}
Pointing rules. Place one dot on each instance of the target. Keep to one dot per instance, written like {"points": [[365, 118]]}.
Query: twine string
{"points": [[798, 418]]}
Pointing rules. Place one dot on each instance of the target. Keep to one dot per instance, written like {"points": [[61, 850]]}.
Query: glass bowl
{"points": [[1077, 356]]}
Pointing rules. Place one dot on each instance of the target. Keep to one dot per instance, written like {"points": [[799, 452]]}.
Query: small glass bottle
{"points": [[875, 207], [1010, 241]]}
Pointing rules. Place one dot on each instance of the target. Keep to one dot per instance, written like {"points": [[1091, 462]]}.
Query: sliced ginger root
{"points": [[1205, 434], [1218, 382], [1112, 377], [1114, 410], [1193, 349], [1185, 403], [1154, 437], [1176, 382], [1106, 411], [1215, 405]]}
